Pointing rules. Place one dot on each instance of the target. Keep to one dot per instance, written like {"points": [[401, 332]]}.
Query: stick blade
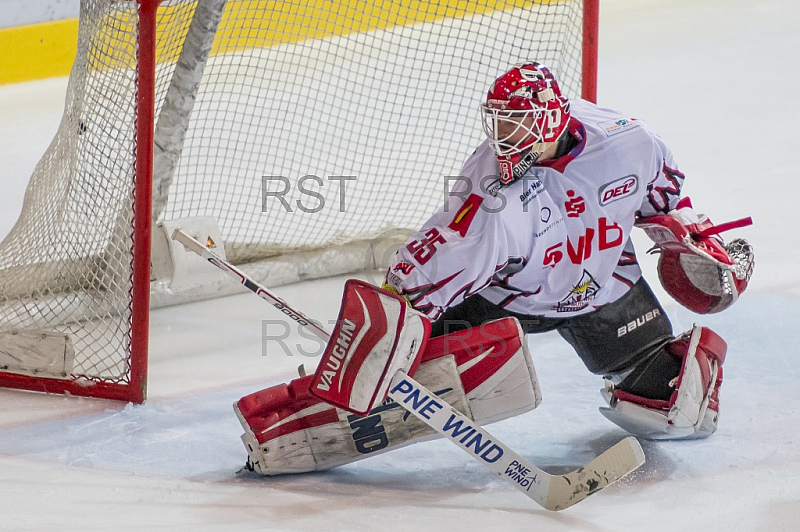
{"points": [[613, 464]]}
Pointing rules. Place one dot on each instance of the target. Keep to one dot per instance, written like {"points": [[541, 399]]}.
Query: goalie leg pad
{"points": [[693, 409], [485, 372]]}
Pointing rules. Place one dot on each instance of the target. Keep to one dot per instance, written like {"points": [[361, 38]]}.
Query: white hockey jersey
{"points": [[554, 243]]}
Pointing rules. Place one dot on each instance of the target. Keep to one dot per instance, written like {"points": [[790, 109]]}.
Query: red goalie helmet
{"points": [[523, 115]]}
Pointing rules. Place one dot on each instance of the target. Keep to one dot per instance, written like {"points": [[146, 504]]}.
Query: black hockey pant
{"points": [[625, 339]]}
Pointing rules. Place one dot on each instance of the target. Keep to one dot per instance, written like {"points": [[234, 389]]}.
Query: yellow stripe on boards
{"points": [[37, 51], [294, 21], [48, 49]]}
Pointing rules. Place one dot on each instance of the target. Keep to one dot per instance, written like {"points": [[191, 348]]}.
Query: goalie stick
{"points": [[192, 244], [553, 492]]}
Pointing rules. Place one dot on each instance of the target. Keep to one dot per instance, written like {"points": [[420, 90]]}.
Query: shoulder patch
{"points": [[463, 218], [612, 127]]}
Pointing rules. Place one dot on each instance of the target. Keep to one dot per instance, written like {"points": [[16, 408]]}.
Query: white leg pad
{"points": [[486, 373], [693, 409]]}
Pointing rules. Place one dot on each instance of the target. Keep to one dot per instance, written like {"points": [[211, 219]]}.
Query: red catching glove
{"points": [[695, 267]]}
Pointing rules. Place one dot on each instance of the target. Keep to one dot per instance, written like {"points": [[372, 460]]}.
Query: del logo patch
{"points": [[612, 127], [616, 190]]}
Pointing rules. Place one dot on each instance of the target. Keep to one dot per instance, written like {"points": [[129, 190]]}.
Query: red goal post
{"points": [[181, 109]]}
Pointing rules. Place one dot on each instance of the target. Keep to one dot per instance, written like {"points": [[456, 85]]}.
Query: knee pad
{"points": [[692, 409]]}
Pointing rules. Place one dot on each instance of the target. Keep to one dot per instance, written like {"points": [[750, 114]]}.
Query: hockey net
{"points": [[307, 130]]}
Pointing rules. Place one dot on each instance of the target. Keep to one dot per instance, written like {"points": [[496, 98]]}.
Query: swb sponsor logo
{"points": [[520, 474], [616, 190], [338, 354]]}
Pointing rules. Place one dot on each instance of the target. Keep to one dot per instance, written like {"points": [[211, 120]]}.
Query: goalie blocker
{"points": [[485, 372]]}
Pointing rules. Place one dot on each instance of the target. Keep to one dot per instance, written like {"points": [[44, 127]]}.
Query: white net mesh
{"points": [[394, 109], [356, 112]]}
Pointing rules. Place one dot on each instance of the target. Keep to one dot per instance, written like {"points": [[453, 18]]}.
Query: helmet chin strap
{"points": [[514, 166]]}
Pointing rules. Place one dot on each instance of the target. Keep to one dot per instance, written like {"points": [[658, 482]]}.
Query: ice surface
{"points": [[718, 79]]}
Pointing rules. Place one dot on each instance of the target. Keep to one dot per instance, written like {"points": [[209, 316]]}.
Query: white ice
{"points": [[719, 80]]}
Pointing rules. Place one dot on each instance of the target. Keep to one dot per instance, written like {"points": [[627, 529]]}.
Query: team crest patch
{"points": [[612, 127], [403, 267], [580, 295]]}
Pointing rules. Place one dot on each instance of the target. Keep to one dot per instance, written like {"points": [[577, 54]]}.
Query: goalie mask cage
{"points": [[307, 129]]}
